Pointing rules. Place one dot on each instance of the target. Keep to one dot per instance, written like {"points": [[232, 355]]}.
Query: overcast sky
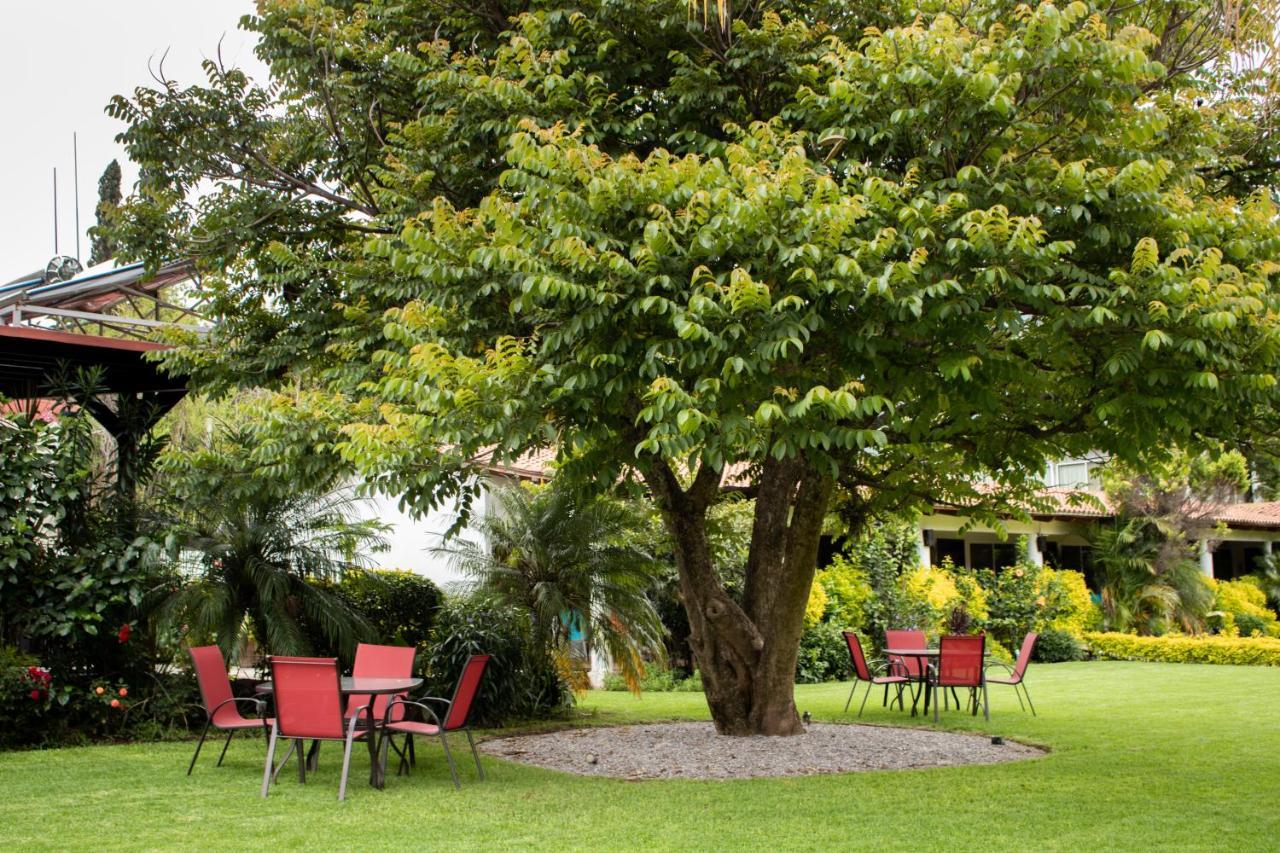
{"points": [[60, 62]]}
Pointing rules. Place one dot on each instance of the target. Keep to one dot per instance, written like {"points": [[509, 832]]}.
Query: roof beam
{"points": [[18, 311]]}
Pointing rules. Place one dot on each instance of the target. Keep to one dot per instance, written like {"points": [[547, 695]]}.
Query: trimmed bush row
{"points": [[1240, 651]]}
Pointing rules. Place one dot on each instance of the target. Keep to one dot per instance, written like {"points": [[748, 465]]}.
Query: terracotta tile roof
{"points": [[1263, 514], [530, 465], [1066, 503]]}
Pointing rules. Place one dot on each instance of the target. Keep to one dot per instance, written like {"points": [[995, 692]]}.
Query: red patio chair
{"points": [[862, 672], [913, 668], [380, 662], [309, 706], [1018, 672], [960, 664], [220, 707], [456, 712]]}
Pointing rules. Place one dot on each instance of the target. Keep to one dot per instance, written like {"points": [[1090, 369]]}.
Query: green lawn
{"points": [[1144, 756]]}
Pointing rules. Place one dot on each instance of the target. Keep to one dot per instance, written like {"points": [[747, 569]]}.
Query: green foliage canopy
{"points": [[963, 241]]}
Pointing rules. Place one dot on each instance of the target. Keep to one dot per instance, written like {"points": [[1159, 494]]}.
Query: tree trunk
{"points": [[747, 654]]}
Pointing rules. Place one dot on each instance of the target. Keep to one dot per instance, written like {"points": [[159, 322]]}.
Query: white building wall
{"points": [[412, 540]]}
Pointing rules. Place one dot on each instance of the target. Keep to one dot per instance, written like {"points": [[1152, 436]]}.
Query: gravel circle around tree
{"points": [[695, 751]]}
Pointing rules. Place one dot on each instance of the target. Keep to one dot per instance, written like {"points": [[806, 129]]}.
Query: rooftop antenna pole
{"points": [[75, 164], [55, 211]]}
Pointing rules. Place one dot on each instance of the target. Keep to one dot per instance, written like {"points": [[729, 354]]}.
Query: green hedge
{"points": [[400, 608], [1241, 651]]}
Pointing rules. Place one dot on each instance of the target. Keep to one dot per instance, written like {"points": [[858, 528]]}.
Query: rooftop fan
{"points": [[61, 268]]}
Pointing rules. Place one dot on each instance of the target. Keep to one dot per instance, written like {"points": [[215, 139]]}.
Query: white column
{"points": [[1206, 559], [1033, 551], [600, 667], [926, 558], [1266, 547]]}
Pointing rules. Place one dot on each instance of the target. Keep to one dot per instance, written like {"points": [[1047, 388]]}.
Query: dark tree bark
{"points": [[747, 654]]}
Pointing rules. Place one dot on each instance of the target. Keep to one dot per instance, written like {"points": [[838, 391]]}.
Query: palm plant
{"points": [[252, 546], [1150, 578], [565, 560]]}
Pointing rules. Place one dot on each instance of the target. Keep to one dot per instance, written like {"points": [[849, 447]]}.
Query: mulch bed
{"points": [[695, 751]]}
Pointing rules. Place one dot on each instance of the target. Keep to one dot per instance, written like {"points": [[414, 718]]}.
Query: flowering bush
{"points": [[25, 688]]}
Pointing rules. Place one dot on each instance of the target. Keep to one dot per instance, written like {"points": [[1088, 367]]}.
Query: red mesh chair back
{"points": [[1024, 655], [912, 667], [859, 659], [381, 662], [960, 660], [307, 697], [465, 693], [211, 673]]}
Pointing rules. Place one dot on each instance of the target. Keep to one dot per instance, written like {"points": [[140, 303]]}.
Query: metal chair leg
{"points": [[224, 748], [413, 756], [865, 697], [313, 756], [986, 705], [346, 766], [275, 775], [192, 766], [453, 768], [383, 753], [267, 774], [851, 692], [1024, 690], [303, 761], [403, 754], [475, 754]]}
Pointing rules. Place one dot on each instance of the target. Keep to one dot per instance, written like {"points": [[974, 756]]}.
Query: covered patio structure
{"points": [[128, 393]]}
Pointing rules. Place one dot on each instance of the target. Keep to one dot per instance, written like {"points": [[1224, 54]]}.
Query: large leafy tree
{"points": [[865, 254]]}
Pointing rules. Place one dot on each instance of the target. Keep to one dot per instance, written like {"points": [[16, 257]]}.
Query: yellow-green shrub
{"points": [[1244, 598], [938, 590], [1076, 611], [816, 605], [1240, 651], [848, 590]]}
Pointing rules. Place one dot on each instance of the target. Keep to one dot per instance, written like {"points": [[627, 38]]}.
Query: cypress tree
{"points": [[109, 197]]}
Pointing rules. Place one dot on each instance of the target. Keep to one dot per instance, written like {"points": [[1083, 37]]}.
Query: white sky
{"points": [[60, 62]]}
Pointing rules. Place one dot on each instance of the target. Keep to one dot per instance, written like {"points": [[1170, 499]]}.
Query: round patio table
{"points": [[352, 686]]}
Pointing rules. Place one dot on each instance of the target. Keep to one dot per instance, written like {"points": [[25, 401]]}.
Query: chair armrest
{"points": [[990, 664], [433, 699], [258, 704], [879, 664], [355, 718], [386, 716]]}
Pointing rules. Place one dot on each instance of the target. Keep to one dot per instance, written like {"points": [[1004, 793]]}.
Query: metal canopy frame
{"points": [[88, 300]]}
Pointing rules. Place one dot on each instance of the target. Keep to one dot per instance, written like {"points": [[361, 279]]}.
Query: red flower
{"points": [[35, 695], [115, 703], [123, 636]]}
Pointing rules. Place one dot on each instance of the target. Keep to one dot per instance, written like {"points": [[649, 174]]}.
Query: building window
{"points": [[1073, 474], [992, 555], [949, 549]]}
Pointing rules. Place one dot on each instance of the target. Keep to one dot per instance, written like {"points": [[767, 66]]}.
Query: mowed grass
{"points": [[1144, 756]]}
